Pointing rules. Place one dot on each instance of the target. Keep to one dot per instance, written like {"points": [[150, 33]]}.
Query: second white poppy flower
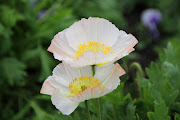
{"points": [[68, 86]]}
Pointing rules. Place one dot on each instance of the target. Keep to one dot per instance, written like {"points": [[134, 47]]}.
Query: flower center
{"points": [[79, 85], [94, 46]]}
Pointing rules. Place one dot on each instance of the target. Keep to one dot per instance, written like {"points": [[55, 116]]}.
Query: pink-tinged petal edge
{"points": [[47, 88], [120, 69], [133, 44], [131, 50], [50, 48], [127, 49]]}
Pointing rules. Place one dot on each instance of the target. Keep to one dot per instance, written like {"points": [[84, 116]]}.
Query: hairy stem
{"points": [[97, 100], [87, 108], [99, 108]]}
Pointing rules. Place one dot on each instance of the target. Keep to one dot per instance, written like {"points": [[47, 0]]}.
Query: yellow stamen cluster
{"points": [[94, 46], [78, 85]]}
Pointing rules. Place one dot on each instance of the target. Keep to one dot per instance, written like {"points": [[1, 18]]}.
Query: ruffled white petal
{"points": [[77, 72], [90, 93], [91, 58], [87, 58], [92, 29], [124, 45], [64, 73], [60, 47], [100, 57], [48, 86], [86, 71], [109, 80], [109, 75], [61, 76], [63, 103]]}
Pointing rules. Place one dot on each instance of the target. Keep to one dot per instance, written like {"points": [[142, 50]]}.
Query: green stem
{"points": [[113, 111], [97, 100], [87, 108], [99, 108], [139, 74], [93, 69], [136, 66]]}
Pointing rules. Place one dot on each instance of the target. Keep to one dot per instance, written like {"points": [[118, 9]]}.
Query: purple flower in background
{"points": [[41, 14], [150, 18], [34, 2]]}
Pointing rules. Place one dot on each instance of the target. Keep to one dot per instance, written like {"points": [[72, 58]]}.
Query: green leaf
{"points": [[60, 19], [127, 109], [176, 106], [30, 54], [143, 105], [13, 71], [160, 87], [171, 53], [177, 116], [10, 16], [5, 42], [160, 113], [21, 113], [76, 116], [46, 63], [172, 72], [97, 7], [40, 113], [115, 97], [130, 111]]}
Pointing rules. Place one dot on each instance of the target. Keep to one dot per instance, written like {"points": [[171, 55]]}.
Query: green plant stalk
{"points": [[136, 66], [99, 108], [93, 69], [139, 74], [87, 108], [113, 112], [97, 100]]}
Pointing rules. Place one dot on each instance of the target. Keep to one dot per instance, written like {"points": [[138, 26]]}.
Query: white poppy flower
{"points": [[68, 86], [92, 41]]}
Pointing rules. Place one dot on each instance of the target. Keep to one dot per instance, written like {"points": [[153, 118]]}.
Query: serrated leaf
{"points": [[143, 82], [127, 109], [173, 73], [12, 70], [142, 106], [160, 87], [171, 54], [160, 113], [130, 110]]}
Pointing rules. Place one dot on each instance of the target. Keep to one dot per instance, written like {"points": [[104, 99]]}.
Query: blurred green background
{"points": [[148, 91]]}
